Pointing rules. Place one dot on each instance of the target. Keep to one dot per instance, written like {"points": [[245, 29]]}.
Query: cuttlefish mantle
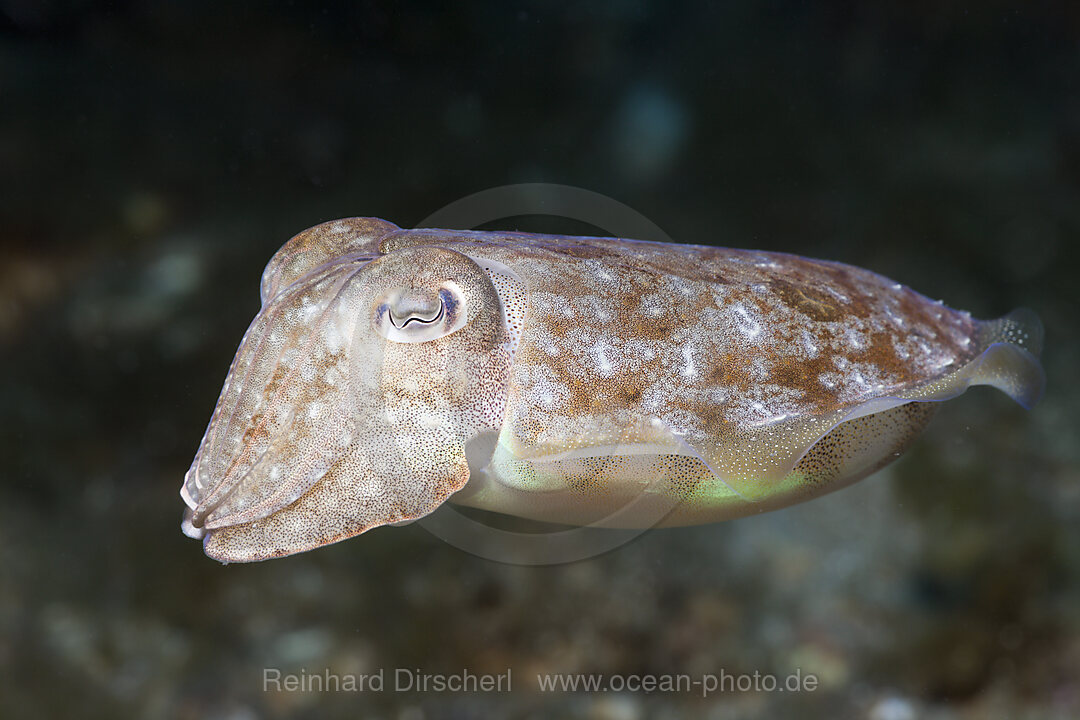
{"points": [[567, 379]]}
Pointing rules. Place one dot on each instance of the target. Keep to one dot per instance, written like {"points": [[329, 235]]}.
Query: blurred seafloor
{"points": [[154, 154]]}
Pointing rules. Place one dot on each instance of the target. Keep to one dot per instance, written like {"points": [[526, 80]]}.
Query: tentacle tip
{"points": [[189, 527]]}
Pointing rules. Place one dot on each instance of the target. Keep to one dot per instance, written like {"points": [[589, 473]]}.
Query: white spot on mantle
{"points": [[604, 367], [689, 369], [747, 325]]}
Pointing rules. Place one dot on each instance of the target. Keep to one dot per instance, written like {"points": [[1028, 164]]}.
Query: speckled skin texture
{"points": [[713, 382]]}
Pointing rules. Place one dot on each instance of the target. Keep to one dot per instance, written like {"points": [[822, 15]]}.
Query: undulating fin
{"points": [[1008, 350]]}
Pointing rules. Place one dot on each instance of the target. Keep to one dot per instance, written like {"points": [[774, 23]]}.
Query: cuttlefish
{"points": [[575, 380]]}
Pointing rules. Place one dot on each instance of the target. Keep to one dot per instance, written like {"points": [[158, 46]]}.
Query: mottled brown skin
{"points": [[838, 306], [719, 382]]}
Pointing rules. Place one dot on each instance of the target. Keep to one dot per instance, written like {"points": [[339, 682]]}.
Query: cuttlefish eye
{"points": [[416, 315]]}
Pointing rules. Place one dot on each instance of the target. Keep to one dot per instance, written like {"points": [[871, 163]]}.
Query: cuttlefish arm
{"points": [[575, 380], [326, 428]]}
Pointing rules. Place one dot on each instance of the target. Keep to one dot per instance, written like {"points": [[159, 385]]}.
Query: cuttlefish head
{"points": [[351, 398]]}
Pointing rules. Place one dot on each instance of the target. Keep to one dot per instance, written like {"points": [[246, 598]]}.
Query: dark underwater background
{"points": [[154, 154]]}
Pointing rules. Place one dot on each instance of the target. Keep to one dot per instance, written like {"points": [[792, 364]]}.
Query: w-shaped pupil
{"points": [[416, 316]]}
